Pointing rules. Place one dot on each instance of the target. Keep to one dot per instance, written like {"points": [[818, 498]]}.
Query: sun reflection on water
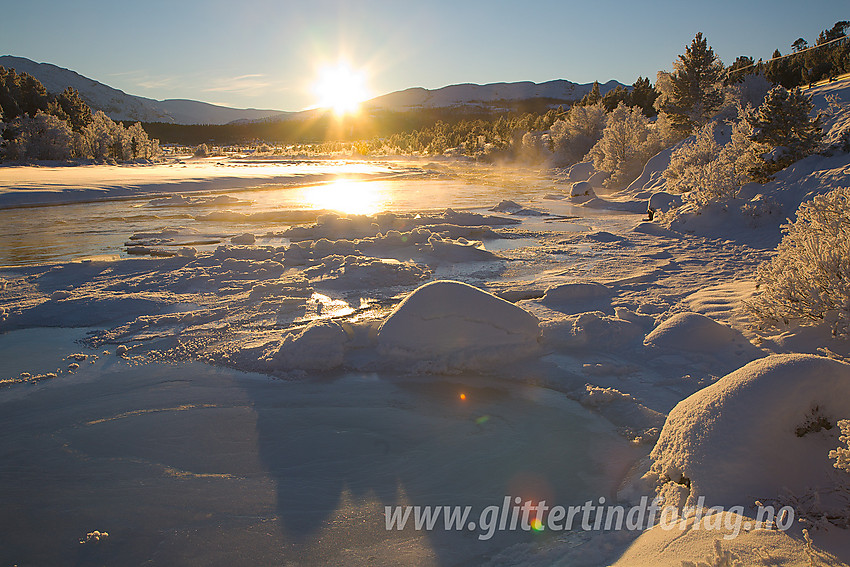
{"points": [[349, 196]]}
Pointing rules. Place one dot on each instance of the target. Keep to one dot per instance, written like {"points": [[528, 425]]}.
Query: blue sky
{"points": [[265, 54]]}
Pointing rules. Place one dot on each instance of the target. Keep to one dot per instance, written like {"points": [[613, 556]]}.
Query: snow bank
{"points": [[449, 325], [723, 545], [756, 431]]}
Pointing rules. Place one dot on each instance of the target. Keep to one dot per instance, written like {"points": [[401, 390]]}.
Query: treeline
{"points": [[807, 64], [37, 125]]}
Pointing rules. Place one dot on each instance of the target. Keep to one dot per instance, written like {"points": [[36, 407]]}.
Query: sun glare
{"points": [[348, 197], [341, 88]]}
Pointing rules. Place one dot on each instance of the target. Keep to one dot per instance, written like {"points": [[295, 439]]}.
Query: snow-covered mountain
{"points": [[485, 95], [119, 105]]}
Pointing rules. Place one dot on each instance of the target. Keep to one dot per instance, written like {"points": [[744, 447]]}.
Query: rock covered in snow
{"points": [[592, 329], [581, 171], [244, 239], [576, 296], [662, 201], [696, 333], [582, 190], [756, 431], [319, 346], [447, 325]]}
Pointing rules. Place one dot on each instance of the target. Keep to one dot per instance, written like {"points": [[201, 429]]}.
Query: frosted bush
{"points": [[842, 454], [628, 141], [712, 172], [202, 151], [809, 277], [573, 136], [687, 162]]}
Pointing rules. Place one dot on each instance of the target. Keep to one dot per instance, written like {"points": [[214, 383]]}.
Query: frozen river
{"points": [[190, 463]]}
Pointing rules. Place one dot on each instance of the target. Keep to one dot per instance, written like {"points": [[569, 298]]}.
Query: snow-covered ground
{"points": [[446, 334]]}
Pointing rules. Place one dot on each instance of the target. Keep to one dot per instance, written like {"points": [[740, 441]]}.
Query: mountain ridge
{"points": [[119, 105]]}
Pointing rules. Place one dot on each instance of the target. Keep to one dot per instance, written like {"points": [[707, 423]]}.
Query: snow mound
{"points": [[449, 325], [696, 333], [756, 431], [319, 346]]}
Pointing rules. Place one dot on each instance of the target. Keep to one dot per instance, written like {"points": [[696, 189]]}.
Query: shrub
{"points": [[574, 135], [808, 279], [711, 172], [628, 141], [842, 454]]}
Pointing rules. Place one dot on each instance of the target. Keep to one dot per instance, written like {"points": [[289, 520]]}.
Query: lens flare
{"points": [[341, 88]]}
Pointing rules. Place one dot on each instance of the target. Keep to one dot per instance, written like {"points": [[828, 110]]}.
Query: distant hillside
{"points": [[119, 105], [490, 95]]}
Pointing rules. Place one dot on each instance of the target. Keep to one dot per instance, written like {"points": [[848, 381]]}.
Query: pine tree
{"points": [[643, 95], [695, 86], [592, 97], [78, 112], [784, 122]]}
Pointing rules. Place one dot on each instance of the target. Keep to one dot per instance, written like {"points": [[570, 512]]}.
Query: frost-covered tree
{"points": [[808, 279], [44, 137], [628, 141], [784, 122], [712, 172], [693, 92], [574, 135]]}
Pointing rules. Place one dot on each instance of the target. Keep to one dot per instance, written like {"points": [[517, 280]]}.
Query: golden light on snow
{"points": [[348, 197], [341, 88]]}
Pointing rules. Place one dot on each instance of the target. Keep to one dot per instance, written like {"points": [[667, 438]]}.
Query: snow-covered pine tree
{"points": [[784, 122], [694, 91]]}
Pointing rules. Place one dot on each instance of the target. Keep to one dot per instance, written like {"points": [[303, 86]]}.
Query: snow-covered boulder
{"points": [[319, 346], [576, 297], [582, 190], [244, 239], [598, 178], [765, 427], [593, 330], [695, 332], [662, 201], [581, 171], [449, 325]]}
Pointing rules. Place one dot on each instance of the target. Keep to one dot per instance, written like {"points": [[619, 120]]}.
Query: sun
{"points": [[341, 88]]}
